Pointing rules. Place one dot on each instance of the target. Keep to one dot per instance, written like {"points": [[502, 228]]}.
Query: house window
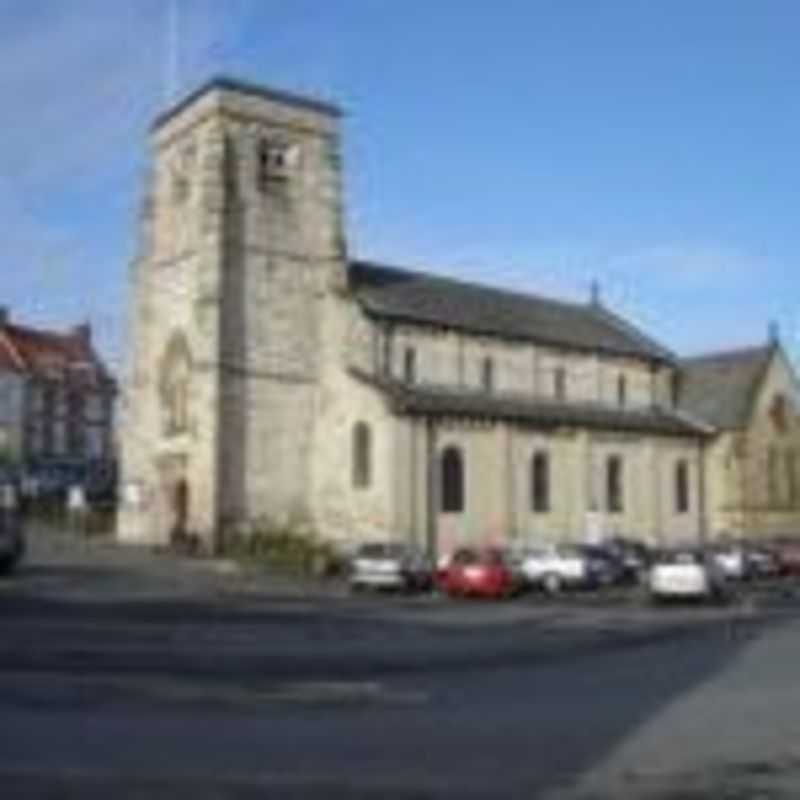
{"points": [[614, 493], [410, 365], [362, 455], [681, 487], [76, 424], [560, 383], [452, 480], [487, 376], [49, 410], [540, 482], [622, 391]]}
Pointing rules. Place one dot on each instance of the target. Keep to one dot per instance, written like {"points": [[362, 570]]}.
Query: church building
{"points": [[274, 376]]}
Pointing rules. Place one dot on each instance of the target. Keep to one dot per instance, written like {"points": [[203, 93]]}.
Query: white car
{"points": [[687, 574], [733, 562], [389, 565], [556, 567]]}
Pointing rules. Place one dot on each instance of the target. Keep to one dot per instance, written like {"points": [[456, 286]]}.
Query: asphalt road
{"points": [[108, 690]]}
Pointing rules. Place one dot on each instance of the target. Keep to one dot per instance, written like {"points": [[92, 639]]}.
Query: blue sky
{"points": [[538, 145]]}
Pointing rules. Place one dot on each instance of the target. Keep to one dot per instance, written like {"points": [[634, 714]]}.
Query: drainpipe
{"points": [[432, 544]]}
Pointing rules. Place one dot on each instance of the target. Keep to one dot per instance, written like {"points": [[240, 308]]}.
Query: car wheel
{"points": [[552, 583]]}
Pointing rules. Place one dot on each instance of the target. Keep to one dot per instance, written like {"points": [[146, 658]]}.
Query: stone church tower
{"points": [[241, 246]]}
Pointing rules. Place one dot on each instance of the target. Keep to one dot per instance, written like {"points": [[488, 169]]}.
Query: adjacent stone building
{"points": [[752, 463], [273, 376]]}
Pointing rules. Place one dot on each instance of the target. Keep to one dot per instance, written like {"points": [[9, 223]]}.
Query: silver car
{"points": [[12, 539], [390, 565]]}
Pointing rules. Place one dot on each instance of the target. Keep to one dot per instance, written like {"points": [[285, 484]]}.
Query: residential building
{"points": [[56, 396]]}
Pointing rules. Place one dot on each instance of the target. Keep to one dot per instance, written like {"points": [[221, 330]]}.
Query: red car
{"points": [[787, 554], [478, 573]]}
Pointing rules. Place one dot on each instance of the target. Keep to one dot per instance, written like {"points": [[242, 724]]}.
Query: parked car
{"points": [[473, 572], [390, 565], [762, 561], [12, 537], [566, 566], [687, 574], [787, 554], [733, 560], [632, 556]]}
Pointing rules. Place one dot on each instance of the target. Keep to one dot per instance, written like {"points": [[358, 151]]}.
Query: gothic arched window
{"points": [[362, 455], [540, 482], [452, 483], [175, 384]]}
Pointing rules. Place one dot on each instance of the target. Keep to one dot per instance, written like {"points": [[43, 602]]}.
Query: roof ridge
{"points": [[30, 330], [736, 352], [630, 329]]}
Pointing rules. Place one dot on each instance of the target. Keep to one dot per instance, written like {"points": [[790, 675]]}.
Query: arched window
{"points": [[175, 383], [773, 497], [681, 487], [410, 365], [362, 455], [273, 161], [622, 391], [540, 482], [560, 383], [487, 377], [452, 480], [614, 484]]}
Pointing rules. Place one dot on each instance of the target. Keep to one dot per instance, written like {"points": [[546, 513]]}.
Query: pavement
{"points": [[129, 674]]}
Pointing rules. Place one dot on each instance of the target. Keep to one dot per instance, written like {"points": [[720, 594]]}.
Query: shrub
{"points": [[289, 547]]}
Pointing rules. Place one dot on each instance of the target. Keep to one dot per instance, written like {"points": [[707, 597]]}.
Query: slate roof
{"points": [[406, 296], [430, 400], [244, 87], [45, 353], [720, 388]]}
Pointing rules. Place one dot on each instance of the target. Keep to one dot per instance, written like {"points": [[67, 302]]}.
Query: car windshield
{"points": [[382, 550], [680, 557]]}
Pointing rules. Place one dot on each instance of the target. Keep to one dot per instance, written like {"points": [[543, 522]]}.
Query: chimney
{"points": [[594, 293], [5, 316], [83, 332]]}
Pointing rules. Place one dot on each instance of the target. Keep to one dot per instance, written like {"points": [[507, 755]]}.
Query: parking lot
{"points": [[61, 565]]}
